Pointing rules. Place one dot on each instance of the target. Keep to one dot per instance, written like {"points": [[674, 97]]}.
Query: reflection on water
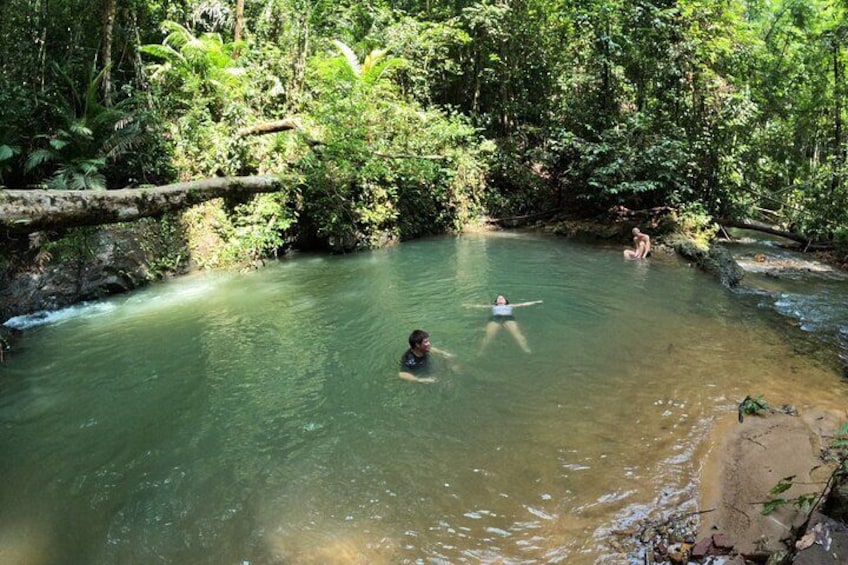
{"points": [[258, 418]]}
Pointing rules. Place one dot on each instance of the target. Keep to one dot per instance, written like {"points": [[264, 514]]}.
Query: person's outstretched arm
{"points": [[531, 303], [412, 378], [442, 352]]}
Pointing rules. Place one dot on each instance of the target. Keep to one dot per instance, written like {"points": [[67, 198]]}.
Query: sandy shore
{"points": [[747, 460]]}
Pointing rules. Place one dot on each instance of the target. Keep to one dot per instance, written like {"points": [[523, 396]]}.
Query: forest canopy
{"points": [[391, 120]]}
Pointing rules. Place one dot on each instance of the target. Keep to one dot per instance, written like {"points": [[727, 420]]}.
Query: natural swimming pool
{"points": [[232, 418]]}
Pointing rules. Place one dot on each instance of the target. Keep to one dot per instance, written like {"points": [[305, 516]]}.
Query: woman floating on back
{"points": [[502, 316]]}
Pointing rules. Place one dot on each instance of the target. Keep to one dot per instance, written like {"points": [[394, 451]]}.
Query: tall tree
{"points": [[110, 8], [239, 28]]}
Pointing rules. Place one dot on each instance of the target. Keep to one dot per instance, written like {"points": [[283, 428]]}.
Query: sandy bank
{"points": [[747, 460]]}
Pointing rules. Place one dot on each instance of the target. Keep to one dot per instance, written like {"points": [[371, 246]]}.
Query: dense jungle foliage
{"points": [[396, 119]]}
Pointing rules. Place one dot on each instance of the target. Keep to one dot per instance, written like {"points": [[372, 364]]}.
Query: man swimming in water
{"points": [[416, 358], [502, 316]]}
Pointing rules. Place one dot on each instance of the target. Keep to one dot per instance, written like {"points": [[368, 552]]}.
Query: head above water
{"points": [[501, 300], [417, 338]]}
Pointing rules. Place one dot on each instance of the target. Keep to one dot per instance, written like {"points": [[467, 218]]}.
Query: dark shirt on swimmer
{"points": [[413, 363]]}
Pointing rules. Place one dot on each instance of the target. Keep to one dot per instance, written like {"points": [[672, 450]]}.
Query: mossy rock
{"points": [[714, 259], [587, 230]]}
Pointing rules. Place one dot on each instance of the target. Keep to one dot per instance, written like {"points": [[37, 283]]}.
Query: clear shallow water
{"points": [[258, 418], [808, 294]]}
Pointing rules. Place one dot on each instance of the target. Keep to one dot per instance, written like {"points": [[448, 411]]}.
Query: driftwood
{"points": [[26, 211]]}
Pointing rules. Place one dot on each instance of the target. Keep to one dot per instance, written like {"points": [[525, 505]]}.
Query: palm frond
{"points": [[380, 66], [80, 129], [350, 57], [78, 176], [161, 51], [91, 103], [177, 36], [125, 138], [61, 179], [96, 181], [71, 84], [91, 166], [8, 151], [38, 158], [372, 59]]}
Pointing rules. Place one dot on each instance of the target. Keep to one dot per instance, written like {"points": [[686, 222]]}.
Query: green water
{"points": [[258, 418]]}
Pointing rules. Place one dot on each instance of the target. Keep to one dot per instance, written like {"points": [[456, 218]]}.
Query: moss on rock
{"points": [[713, 259]]}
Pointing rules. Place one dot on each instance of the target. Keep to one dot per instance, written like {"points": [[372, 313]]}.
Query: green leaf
{"points": [[783, 485], [58, 144], [772, 505], [6, 152]]}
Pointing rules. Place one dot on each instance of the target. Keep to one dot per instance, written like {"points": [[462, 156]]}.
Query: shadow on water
{"points": [[259, 418]]}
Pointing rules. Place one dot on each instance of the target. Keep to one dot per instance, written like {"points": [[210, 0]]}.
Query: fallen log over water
{"points": [[26, 211], [807, 242]]}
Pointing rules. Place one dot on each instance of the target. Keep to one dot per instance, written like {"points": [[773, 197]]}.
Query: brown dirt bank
{"points": [[746, 460]]}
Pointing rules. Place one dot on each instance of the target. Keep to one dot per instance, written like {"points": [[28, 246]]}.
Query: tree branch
{"points": [[268, 127]]}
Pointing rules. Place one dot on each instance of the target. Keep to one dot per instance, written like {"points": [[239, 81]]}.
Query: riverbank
{"points": [[743, 462], [746, 461], [748, 458]]}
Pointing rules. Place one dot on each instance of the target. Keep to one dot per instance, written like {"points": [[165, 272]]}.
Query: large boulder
{"points": [[714, 259], [85, 264]]}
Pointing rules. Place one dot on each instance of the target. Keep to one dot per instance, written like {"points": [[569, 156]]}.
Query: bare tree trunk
{"points": [[138, 65], [838, 150], [299, 74], [110, 8], [26, 211], [42, 54], [239, 20]]}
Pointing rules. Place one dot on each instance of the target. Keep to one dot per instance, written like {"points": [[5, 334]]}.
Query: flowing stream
{"points": [[257, 418]]}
